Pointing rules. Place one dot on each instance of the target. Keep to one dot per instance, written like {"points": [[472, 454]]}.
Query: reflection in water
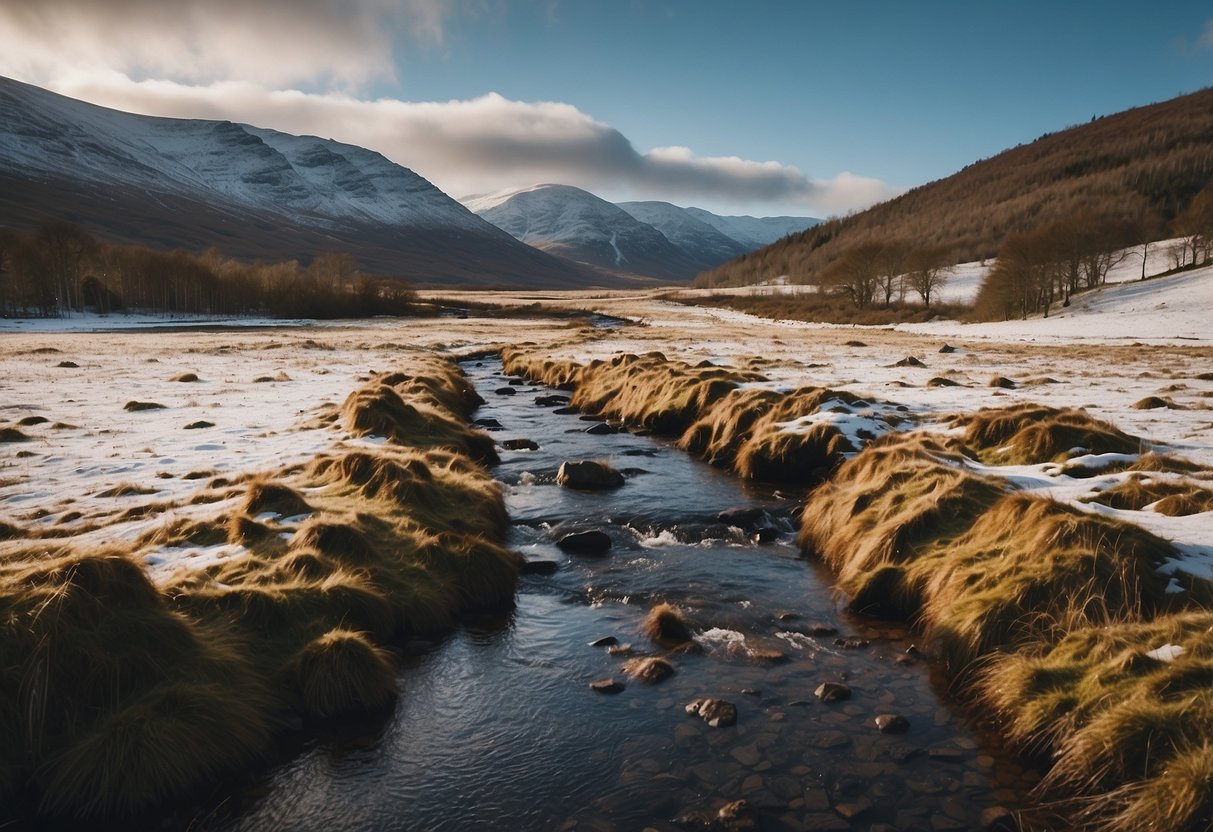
{"points": [[497, 728]]}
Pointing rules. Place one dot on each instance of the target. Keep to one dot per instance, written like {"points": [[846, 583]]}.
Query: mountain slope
{"points": [[1141, 167], [578, 225], [252, 192], [754, 232], [703, 243]]}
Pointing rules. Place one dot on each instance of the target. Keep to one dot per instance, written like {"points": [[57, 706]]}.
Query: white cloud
{"points": [[239, 59], [491, 143], [273, 42]]}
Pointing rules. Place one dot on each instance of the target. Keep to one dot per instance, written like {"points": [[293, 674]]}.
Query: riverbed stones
{"points": [[551, 401], [607, 685], [593, 543], [520, 445], [892, 724], [605, 641], [832, 692], [506, 391], [588, 474], [717, 713], [601, 429]]}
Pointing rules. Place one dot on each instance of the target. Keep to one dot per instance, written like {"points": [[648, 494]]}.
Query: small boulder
{"points": [[607, 685], [589, 474], [566, 411], [487, 423], [67, 365], [605, 641], [892, 724], [506, 391], [832, 692], [743, 518], [946, 348], [909, 361], [520, 445], [767, 534], [717, 713], [1002, 382], [551, 401], [601, 429], [593, 543], [539, 567]]}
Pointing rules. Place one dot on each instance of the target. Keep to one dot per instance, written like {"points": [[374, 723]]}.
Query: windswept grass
{"points": [[1176, 498], [1028, 434], [117, 694]]}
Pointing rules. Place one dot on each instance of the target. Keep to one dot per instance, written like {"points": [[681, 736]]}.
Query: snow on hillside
{"points": [[44, 136], [690, 233]]}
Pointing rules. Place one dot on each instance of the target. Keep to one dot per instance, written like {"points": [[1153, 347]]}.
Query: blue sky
{"points": [[772, 107]]}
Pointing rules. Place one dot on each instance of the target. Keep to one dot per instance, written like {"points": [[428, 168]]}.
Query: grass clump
{"points": [[1028, 434], [136, 406], [264, 497], [13, 435], [379, 410], [1175, 498], [650, 669], [1126, 721], [666, 626], [343, 670]]}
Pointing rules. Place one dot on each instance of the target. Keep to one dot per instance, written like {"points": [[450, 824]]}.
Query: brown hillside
{"points": [[1142, 165]]}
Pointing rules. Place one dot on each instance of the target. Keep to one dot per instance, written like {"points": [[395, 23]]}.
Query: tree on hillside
{"points": [[856, 273], [929, 270], [1195, 225], [65, 247]]}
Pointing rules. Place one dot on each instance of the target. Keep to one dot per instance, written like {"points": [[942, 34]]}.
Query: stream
{"points": [[496, 726]]}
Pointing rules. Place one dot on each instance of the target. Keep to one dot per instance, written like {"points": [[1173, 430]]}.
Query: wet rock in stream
{"points": [[832, 692], [589, 474], [593, 543], [520, 445], [717, 713]]}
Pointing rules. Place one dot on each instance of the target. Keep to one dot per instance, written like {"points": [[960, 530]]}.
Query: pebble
{"points": [[853, 810], [607, 685], [747, 755], [892, 724], [832, 692]]}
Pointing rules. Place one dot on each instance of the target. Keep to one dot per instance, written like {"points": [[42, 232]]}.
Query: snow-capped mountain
{"points": [[250, 191], [653, 239], [698, 239], [754, 232], [578, 225]]}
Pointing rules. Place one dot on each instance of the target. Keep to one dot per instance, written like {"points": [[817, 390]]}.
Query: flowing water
{"points": [[497, 728]]}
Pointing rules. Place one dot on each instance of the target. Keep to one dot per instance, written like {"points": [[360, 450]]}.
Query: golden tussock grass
{"points": [[1172, 497], [1027, 434], [118, 695], [1127, 731], [1031, 433], [343, 670], [666, 626]]}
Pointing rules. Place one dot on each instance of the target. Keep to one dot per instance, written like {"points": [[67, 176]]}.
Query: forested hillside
{"points": [[1123, 178]]}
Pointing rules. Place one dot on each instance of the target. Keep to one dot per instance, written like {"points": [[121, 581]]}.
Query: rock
{"points": [[851, 643], [593, 542], [852, 810], [832, 692], [506, 391], [539, 567], [200, 424], [999, 819], [743, 518], [520, 445], [717, 713], [737, 817], [67, 365], [892, 724], [605, 641], [909, 361], [607, 685], [565, 411], [767, 534], [946, 348], [1001, 381], [751, 692], [601, 429], [592, 417], [516, 382], [551, 401], [589, 474], [854, 344], [486, 422], [747, 755], [942, 381]]}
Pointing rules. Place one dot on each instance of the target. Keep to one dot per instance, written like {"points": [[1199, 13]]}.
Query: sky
{"points": [[781, 107]]}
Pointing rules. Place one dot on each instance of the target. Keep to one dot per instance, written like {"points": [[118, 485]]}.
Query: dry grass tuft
{"points": [[1175, 498], [126, 489], [342, 671], [13, 435], [379, 410], [666, 626], [135, 407], [274, 497], [186, 378], [1027, 434]]}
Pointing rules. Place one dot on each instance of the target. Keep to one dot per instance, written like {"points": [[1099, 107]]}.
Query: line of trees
{"points": [[59, 268], [877, 272]]}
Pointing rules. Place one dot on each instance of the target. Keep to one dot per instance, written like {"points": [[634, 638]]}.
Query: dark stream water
{"points": [[497, 728]]}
